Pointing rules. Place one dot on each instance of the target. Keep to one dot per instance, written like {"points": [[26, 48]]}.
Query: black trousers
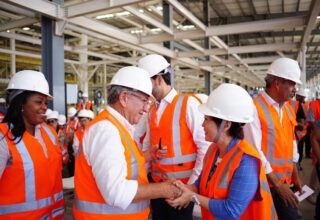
{"points": [[300, 148], [161, 210], [284, 212]]}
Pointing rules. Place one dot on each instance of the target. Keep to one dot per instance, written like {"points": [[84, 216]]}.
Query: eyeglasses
{"points": [[146, 102], [50, 121]]}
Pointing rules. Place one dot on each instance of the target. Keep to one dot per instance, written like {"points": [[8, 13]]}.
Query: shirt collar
{"points": [[121, 119], [270, 100], [170, 96]]}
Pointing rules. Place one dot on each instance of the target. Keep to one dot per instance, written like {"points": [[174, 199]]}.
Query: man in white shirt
{"points": [[272, 132], [110, 179], [175, 124]]}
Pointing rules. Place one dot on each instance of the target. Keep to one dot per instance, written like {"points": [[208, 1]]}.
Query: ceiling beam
{"points": [[148, 19], [95, 6], [310, 23], [256, 26], [269, 59], [17, 23], [242, 49]]}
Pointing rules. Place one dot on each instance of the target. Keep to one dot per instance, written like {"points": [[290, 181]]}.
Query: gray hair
{"points": [[114, 92]]}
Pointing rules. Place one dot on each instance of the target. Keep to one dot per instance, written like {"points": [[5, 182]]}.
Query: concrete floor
{"points": [[306, 208]]}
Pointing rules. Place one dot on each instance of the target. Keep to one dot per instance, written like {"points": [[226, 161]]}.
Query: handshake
{"points": [[177, 194]]}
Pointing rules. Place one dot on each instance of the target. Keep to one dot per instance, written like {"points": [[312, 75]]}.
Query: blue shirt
{"points": [[243, 187]]}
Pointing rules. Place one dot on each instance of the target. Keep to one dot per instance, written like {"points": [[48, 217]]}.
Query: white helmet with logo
{"points": [[85, 95], [29, 80], [229, 102], [72, 112], [301, 92], [153, 64], [285, 68], [134, 78]]}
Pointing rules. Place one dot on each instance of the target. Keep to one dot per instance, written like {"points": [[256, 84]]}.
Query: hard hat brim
{"points": [[206, 111], [298, 81]]}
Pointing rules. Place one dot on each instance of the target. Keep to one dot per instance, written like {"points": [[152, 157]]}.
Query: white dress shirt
{"points": [[194, 122], [253, 134], [104, 152], [4, 151]]}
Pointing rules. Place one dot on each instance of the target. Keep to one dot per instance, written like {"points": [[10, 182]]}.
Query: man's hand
{"points": [[158, 154], [286, 194], [171, 191]]}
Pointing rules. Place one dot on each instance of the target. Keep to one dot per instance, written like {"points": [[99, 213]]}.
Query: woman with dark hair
{"points": [[233, 183], [30, 157]]}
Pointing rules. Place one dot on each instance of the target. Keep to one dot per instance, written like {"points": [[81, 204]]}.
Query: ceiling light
{"points": [[141, 10], [124, 13], [155, 29], [105, 16], [159, 8], [26, 28]]}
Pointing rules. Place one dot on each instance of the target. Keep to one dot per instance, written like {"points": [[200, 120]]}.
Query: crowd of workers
{"points": [[235, 156]]}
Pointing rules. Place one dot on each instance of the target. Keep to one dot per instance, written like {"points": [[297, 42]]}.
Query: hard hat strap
{"points": [[220, 129]]}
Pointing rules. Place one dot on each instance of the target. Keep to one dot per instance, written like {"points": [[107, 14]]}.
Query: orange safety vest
{"points": [[261, 207], [89, 203], [301, 133], [175, 134], [295, 105], [79, 134], [314, 109], [87, 106], [72, 125], [277, 138], [31, 184]]}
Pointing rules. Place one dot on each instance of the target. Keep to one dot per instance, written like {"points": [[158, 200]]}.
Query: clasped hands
{"points": [[180, 195]]}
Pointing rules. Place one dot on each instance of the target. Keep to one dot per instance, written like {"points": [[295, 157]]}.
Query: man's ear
{"points": [[227, 125], [123, 98]]}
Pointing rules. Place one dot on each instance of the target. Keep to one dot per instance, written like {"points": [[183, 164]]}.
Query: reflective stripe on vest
{"points": [[271, 135], [30, 205], [50, 134], [172, 175], [178, 157], [134, 162], [98, 208], [223, 182]]}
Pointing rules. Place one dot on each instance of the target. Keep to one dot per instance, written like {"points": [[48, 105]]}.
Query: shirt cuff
{"points": [[267, 168]]}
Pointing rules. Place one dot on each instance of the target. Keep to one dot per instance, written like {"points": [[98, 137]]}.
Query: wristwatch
{"points": [[195, 199]]}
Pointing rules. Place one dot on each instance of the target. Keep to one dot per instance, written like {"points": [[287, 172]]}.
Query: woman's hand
{"points": [[185, 198]]}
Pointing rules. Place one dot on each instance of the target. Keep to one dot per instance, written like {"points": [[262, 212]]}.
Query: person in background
{"points": [[233, 183], [52, 120], [62, 135], [85, 116], [84, 103], [3, 108], [110, 177], [30, 157], [272, 133], [175, 128]]}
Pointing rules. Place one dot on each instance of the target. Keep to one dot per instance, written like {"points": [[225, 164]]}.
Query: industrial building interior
{"points": [[208, 42]]}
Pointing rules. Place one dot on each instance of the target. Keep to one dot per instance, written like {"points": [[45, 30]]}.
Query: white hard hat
{"points": [[153, 64], [62, 120], [85, 114], [203, 97], [53, 115], [72, 112], [285, 68], [48, 111], [31, 81], [133, 77], [229, 102], [301, 92], [85, 95], [2, 100]]}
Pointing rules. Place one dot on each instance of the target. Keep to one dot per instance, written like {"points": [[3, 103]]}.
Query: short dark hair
{"points": [[236, 129], [166, 77]]}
